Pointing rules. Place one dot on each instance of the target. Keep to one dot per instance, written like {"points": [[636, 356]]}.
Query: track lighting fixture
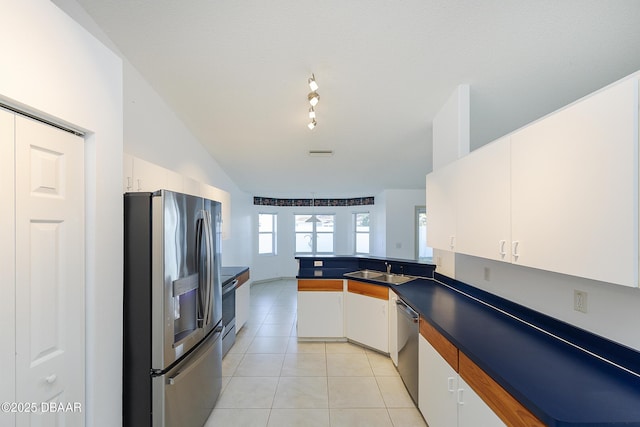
{"points": [[312, 83], [313, 97]]}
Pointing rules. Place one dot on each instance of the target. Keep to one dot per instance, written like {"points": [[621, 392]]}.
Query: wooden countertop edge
{"points": [[320, 285], [497, 398], [505, 406], [368, 289], [242, 279]]}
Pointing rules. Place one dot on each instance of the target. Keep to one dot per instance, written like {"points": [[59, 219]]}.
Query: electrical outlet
{"points": [[580, 301], [487, 274]]}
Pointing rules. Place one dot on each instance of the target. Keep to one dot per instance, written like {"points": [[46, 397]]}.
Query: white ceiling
{"points": [[235, 71]]}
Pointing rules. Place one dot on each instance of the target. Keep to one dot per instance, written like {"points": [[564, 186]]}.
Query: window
{"points": [[423, 251], [314, 234], [267, 233], [361, 227]]}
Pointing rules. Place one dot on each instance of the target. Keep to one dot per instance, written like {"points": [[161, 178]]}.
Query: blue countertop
{"points": [[227, 274], [559, 383]]}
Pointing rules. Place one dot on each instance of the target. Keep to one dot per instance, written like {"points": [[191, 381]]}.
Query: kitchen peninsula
{"points": [[526, 367]]}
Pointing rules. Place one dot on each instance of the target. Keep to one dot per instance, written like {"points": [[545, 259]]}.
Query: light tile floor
{"points": [[271, 379]]}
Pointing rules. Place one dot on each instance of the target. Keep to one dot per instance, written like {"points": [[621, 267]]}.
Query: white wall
{"points": [[451, 128], [52, 67], [283, 264], [392, 231], [401, 222], [612, 310], [154, 133]]}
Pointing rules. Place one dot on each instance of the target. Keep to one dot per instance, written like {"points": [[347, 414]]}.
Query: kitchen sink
{"points": [[379, 276], [366, 274]]}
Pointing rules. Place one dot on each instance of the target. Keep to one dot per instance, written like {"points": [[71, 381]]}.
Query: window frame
{"points": [[314, 235], [273, 233], [356, 232]]}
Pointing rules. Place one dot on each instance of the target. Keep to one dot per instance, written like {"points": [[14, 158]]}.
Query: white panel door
{"points": [[50, 271], [484, 207], [574, 188], [7, 264]]}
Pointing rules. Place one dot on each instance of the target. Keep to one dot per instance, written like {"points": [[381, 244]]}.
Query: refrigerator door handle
{"points": [[209, 275]]}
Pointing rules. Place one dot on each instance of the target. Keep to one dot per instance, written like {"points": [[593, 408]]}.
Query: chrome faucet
{"points": [[388, 267]]}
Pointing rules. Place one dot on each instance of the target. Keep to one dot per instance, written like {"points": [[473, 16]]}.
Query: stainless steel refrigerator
{"points": [[172, 351]]}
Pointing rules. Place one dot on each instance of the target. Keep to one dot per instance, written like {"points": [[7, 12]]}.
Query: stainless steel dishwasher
{"points": [[408, 330]]}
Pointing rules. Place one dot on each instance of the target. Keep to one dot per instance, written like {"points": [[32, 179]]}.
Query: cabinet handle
{"points": [[51, 379], [450, 386], [452, 241], [139, 186], [460, 396], [502, 251], [128, 183], [514, 250]]}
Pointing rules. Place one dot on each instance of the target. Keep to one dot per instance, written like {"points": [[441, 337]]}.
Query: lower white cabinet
{"points": [[367, 317], [320, 315], [243, 304], [393, 327], [320, 308], [444, 398]]}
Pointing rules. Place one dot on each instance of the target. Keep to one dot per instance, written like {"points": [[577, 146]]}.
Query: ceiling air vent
{"points": [[321, 153]]}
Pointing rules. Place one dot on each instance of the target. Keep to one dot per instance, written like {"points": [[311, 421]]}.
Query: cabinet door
{"points": [[441, 207], [574, 197], [472, 411], [148, 176], [243, 304], [393, 327], [320, 314], [127, 173], [368, 321], [484, 215], [437, 387]]}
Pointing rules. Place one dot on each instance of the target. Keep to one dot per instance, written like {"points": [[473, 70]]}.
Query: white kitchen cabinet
{"points": [[243, 303], [472, 411], [148, 176], [320, 308], [393, 327], [560, 194], [483, 225], [367, 315], [441, 207], [444, 398], [574, 188], [224, 198], [127, 173], [437, 387]]}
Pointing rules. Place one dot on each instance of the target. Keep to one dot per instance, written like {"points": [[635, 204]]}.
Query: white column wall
{"points": [[52, 67]]}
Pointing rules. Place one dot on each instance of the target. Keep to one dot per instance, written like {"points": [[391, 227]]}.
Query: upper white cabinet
{"points": [[560, 194], [484, 217], [148, 176], [441, 207], [214, 193], [127, 173], [574, 188], [141, 175]]}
